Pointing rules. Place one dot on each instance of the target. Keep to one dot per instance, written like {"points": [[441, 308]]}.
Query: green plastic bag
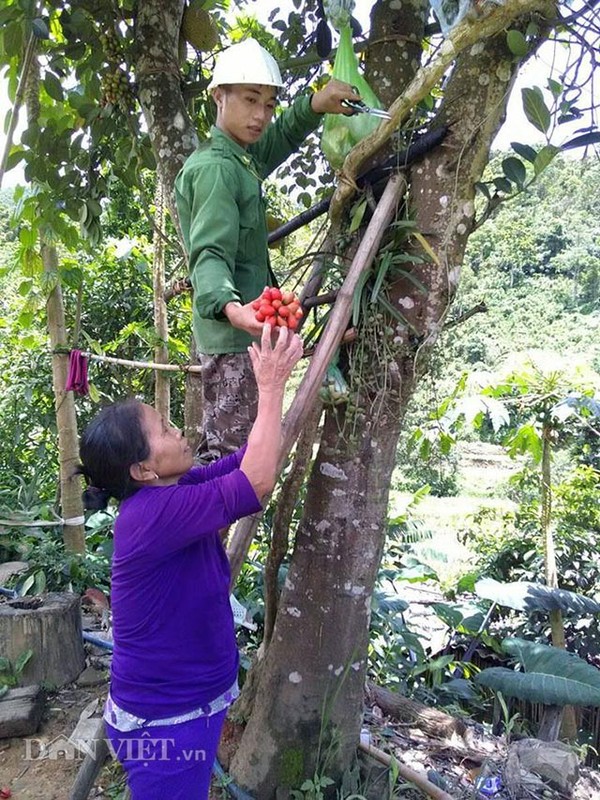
{"points": [[341, 132]]}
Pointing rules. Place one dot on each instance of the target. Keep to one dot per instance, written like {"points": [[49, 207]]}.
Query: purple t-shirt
{"points": [[174, 639]]}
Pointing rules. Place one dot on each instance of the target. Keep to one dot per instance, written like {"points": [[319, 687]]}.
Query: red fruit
{"points": [[288, 297], [275, 293], [284, 311], [281, 322], [256, 305], [266, 294], [276, 304], [272, 321], [5, 792], [292, 323], [259, 316], [299, 313], [293, 307], [267, 309]]}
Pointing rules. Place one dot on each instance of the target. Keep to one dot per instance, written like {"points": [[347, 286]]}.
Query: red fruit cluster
{"points": [[278, 308]]}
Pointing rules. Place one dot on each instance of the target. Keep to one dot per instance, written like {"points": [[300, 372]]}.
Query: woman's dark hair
{"points": [[110, 444]]}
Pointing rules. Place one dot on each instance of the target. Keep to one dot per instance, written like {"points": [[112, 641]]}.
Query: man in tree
{"points": [[222, 214]]}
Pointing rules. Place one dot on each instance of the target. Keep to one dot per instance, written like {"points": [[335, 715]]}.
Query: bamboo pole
{"points": [[334, 331], [417, 778]]}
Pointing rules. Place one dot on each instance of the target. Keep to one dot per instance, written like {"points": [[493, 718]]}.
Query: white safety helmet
{"points": [[246, 62]]}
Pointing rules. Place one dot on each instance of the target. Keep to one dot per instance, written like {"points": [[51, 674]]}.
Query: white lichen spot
{"points": [[330, 667], [288, 584], [504, 72], [444, 200], [387, 59], [338, 671], [461, 228], [483, 79], [295, 677], [395, 4], [179, 121], [477, 48], [406, 302], [338, 493], [374, 526], [332, 472], [454, 276], [355, 666], [323, 525], [468, 209], [293, 611]]}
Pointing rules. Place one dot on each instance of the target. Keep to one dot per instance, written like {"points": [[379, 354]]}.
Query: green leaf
{"points": [[515, 171], [517, 43], [582, 141], [530, 597], [53, 86], [13, 40], [545, 157], [94, 393], [524, 150], [552, 676], [26, 585], [535, 108], [384, 264], [22, 661], [357, 216], [555, 87], [503, 185], [39, 28]]}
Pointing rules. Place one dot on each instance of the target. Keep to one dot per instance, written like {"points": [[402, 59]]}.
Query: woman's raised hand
{"points": [[273, 362]]}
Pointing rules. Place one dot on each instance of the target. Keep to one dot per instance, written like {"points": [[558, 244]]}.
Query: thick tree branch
{"points": [[466, 34]]}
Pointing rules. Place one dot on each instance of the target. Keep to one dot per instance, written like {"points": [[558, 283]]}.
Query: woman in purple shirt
{"points": [[175, 661]]}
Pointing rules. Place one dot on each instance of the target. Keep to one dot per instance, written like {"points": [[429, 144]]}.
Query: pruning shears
{"points": [[358, 107]]}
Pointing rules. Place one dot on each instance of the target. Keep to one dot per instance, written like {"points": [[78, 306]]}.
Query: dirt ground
{"points": [[455, 763]]}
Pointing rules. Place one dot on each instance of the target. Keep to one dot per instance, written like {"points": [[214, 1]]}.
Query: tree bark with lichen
{"points": [[314, 669]]}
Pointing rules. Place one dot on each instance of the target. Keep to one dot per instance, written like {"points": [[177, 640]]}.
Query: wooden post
{"points": [[307, 393]]}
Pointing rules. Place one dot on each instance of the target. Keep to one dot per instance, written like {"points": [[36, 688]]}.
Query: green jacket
{"points": [[222, 215]]}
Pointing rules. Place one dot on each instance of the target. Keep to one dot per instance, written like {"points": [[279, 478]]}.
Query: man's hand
{"points": [[328, 100], [243, 317]]}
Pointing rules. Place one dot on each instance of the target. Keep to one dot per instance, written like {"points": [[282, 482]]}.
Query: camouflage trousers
{"points": [[229, 404]]}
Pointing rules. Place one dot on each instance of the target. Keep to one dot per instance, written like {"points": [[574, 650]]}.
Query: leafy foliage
{"points": [[551, 676]]}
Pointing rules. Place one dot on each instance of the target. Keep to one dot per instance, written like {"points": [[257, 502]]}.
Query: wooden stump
{"points": [[50, 626], [21, 711]]}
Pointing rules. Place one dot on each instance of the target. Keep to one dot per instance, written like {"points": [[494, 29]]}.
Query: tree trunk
{"points": [[308, 708], [66, 417], [172, 133]]}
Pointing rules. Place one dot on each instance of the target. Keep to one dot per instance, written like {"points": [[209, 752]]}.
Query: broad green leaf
{"points": [[503, 185], [39, 28], [552, 676], [53, 86], [535, 108], [515, 171], [545, 157], [585, 140], [26, 585], [13, 40], [524, 150], [517, 43], [529, 597]]}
